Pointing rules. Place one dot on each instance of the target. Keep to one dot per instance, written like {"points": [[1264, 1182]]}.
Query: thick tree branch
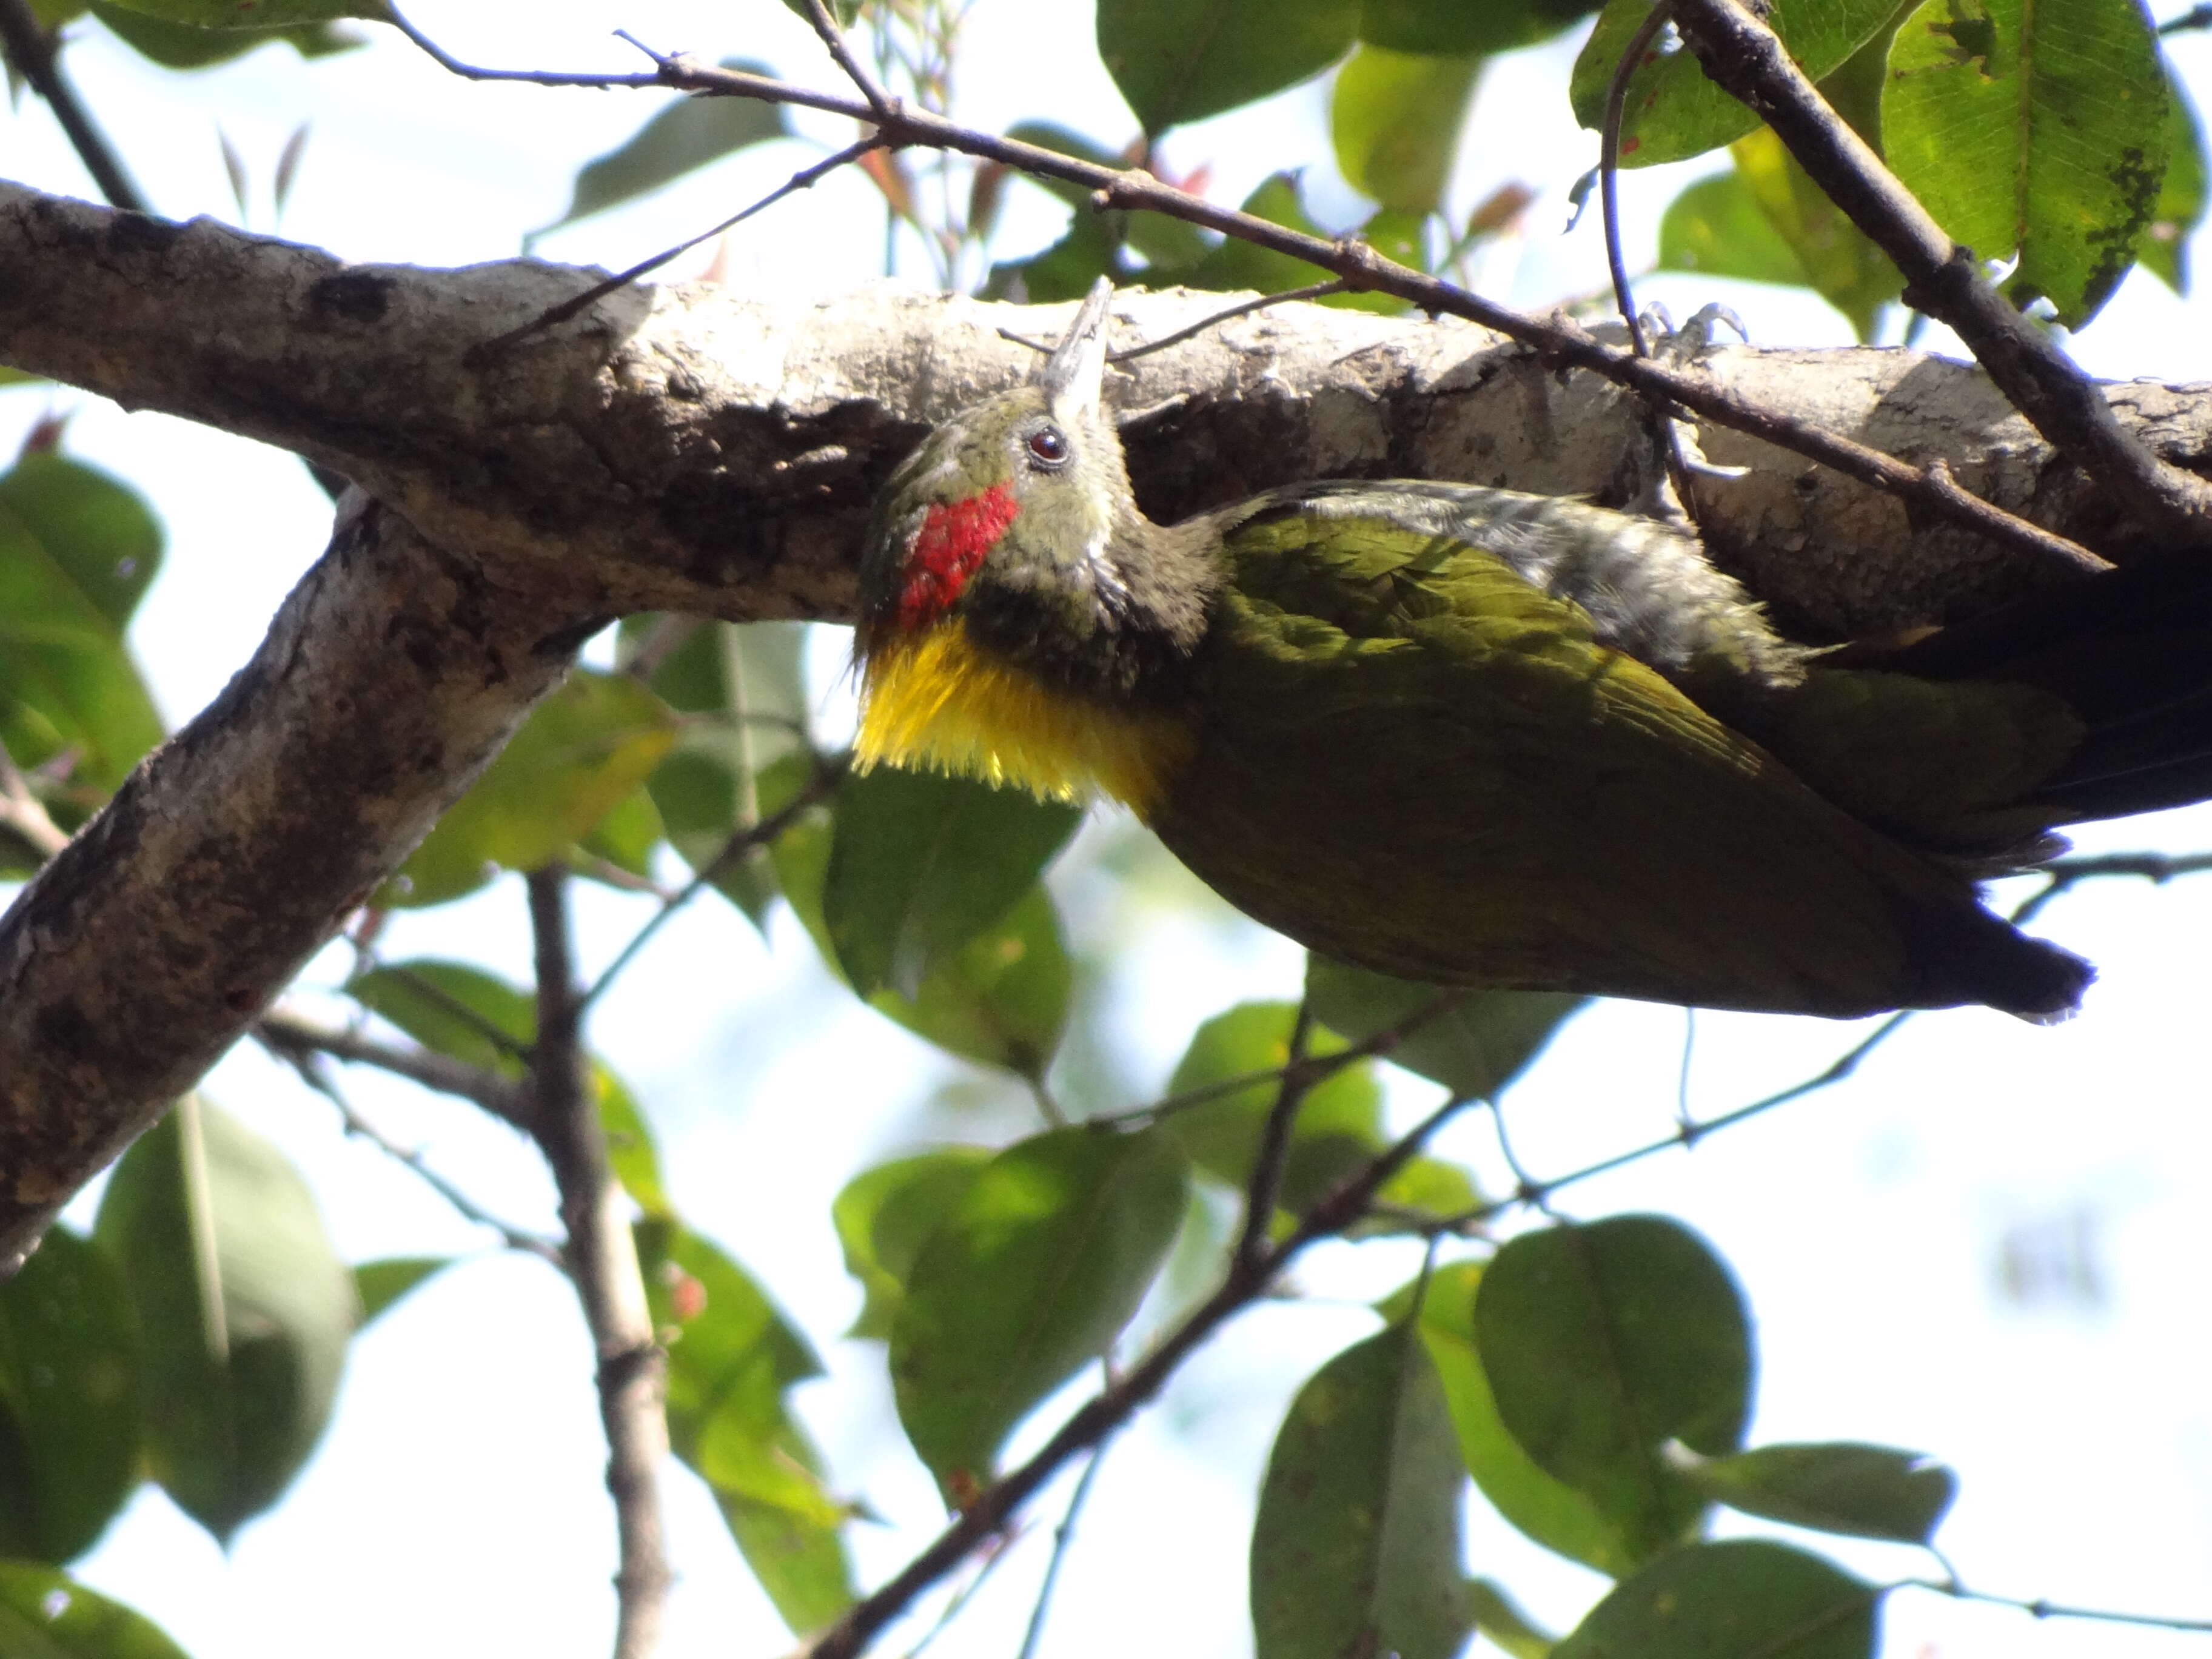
{"points": [[391, 674], [1942, 278], [681, 450], [602, 1257]]}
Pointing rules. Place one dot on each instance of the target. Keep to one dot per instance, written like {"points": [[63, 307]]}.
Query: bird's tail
{"points": [[2130, 653]]}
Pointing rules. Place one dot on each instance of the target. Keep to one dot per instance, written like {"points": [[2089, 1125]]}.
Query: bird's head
{"points": [[1016, 497]]}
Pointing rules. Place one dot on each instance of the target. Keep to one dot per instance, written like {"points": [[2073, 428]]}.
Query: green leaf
{"points": [[1602, 1343], [379, 1284], [47, 1614], [189, 47], [76, 550], [1746, 1599], [1162, 240], [921, 863], [631, 1154], [2042, 130], [626, 837], [2164, 250], [1672, 110], [1837, 258], [1356, 1548], [1455, 26], [1867, 1491], [1001, 998], [245, 1308], [1066, 271], [1474, 1049], [261, 16], [1499, 1618], [1339, 1124], [453, 1009], [1395, 119], [95, 527], [684, 137], [582, 749], [885, 1215], [731, 1359], [1716, 227], [1233, 265], [68, 1400], [747, 758], [1033, 1274], [1534, 1503], [1180, 60]]}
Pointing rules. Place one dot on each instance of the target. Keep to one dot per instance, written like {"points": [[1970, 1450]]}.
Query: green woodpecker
{"points": [[1479, 738]]}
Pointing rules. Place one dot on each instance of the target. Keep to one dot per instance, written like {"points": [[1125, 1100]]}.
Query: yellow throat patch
{"points": [[934, 701]]}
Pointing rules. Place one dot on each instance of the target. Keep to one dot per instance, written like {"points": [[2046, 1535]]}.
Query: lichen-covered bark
{"points": [[693, 450]]}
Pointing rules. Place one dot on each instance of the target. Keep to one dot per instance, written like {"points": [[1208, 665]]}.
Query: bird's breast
{"points": [[937, 700]]}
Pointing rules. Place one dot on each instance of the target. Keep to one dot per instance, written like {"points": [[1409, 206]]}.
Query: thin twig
{"points": [[1661, 415], [602, 1255], [289, 1035], [446, 60], [316, 1077], [1314, 291], [1244, 1284], [31, 51], [1536, 1193], [1265, 1184], [22, 813], [2040, 1608], [1062, 1535], [2061, 875], [1360, 266], [804, 179], [834, 38], [1942, 278], [2197, 17], [829, 773], [1609, 167]]}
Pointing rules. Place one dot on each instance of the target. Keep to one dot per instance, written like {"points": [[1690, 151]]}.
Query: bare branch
{"points": [[828, 775], [31, 51], [1942, 278], [1062, 1536], [1265, 1184], [2040, 1608], [602, 1254], [834, 38], [316, 1077], [804, 179], [292, 1035]]}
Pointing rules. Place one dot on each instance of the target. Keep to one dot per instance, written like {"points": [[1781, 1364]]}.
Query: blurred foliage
{"points": [[1591, 1383]]}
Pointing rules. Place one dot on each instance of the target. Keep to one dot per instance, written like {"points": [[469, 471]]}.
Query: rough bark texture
{"points": [[690, 450], [391, 675]]}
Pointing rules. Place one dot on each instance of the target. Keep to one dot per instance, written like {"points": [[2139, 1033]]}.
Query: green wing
{"points": [[1411, 758]]}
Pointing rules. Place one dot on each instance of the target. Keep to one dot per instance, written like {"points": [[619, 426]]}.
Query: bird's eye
{"points": [[1047, 447]]}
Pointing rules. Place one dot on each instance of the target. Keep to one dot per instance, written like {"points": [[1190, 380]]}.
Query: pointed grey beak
{"points": [[1074, 375]]}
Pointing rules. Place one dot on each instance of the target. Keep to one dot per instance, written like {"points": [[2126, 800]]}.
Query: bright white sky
{"points": [[455, 1508]]}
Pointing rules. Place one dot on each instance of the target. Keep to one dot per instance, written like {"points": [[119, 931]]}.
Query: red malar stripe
{"points": [[949, 549]]}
